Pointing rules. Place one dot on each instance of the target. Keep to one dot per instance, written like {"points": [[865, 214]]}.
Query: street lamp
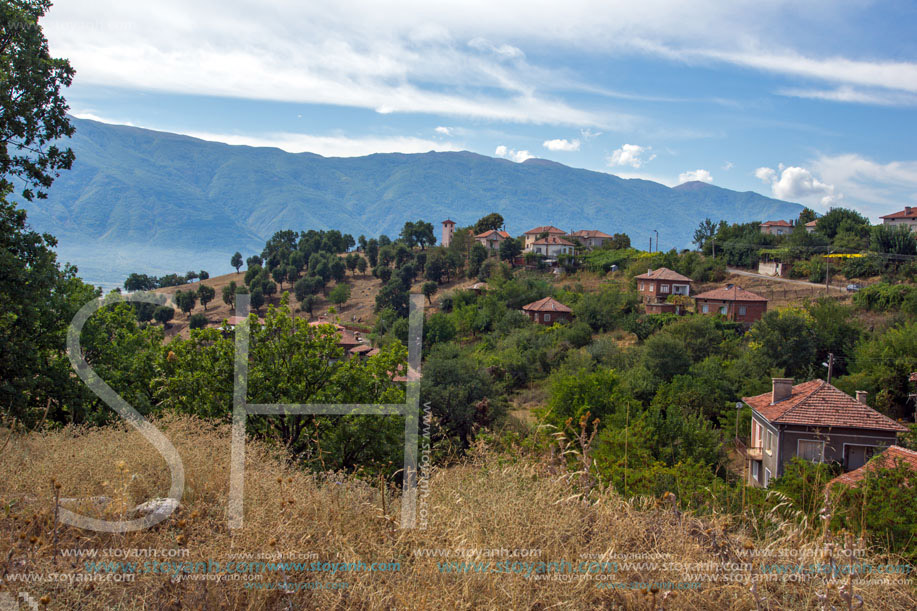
{"points": [[657, 240]]}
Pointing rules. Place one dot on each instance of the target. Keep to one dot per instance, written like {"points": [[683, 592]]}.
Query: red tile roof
{"points": [[348, 337], [492, 232], [889, 458], [819, 404], [545, 229], [812, 223], [552, 241], [361, 349], [448, 222], [730, 293], [548, 304], [589, 233], [909, 212], [776, 224], [663, 273]]}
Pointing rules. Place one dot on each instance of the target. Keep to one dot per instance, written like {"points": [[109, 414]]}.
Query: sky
{"points": [[812, 102]]}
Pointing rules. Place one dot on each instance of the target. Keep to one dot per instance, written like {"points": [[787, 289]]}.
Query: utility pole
{"points": [[657, 239], [830, 365], [827, 274], [714, 249], [651, 243]]}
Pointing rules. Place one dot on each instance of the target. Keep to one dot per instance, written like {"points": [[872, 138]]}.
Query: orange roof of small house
{"points": [[909, 212], [776, 224], [549, 229], [552, 241], [812, 223], [663, 273], [888, 458], [589, 233], [492, 232], [548, 304], [730, 293], [361, 349], [819, 404], [348, 337]]}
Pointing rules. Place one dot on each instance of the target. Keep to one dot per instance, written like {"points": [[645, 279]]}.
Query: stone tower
{"points": [[448, 229]]}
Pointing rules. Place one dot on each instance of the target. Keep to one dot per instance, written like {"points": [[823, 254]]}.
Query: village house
{"points": [[733, 302], [492, 239], [813, 421], [547, 311], [448, 232], [591, 238], [351, 341], [811, 225], [776, 227], [551, 247], [533, 234], [889, 458], [655, 286], [907, 217]]}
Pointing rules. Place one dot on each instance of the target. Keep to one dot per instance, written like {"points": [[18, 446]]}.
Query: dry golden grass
{"points": [[490, 501]]}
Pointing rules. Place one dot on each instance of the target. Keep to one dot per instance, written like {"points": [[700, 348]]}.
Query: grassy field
{"points": [[505, 507]]}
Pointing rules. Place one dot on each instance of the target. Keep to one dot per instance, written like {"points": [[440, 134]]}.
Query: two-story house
{"points": [[907, 217], [733, 302], [551, 247], [776, 227], [492, 239], [814, 421], [656, 285], [591, 238], [544, 231]]}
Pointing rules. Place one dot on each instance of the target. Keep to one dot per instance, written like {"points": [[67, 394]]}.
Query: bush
{"points": [[884, 297], [198, 321]]}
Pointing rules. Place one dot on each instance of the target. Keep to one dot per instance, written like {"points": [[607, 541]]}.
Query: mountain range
{"points": [[157, 202]]}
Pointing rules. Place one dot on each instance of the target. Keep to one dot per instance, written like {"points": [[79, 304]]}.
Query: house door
{"points": [[856, 456]]}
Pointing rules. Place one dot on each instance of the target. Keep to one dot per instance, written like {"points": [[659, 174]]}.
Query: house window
{"points": [[755, 470], [705, 309], [811, 450], [664, 288], [769, 448], [741, 310], [547, 318], [767, 477], [652, 287], [640, 286], [723, 310]]}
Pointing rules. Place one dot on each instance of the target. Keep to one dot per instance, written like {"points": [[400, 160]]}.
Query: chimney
{"points": [[861, 396], [907, 210], [649, 270], [783, 388]]}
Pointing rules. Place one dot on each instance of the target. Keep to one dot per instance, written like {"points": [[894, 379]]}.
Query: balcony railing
{"points": [[754, 453]]}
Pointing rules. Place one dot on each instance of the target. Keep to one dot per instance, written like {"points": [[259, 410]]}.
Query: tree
{"points": [[198, 321], [279, 274], [252, 261], [185, 300], [705, 231], [475, 259], [140, 282], [486, 223], [351, 261], [393, 296], [429, 289], [806, 216], [236, 261], [338, 269], [257, 299], [829, 224], [206, 294], [269, 288], [787, 339], [163, 314], [229, 293], [509, 250], [203, 274], [361, 265], [307, 304], [892, 239], [339, 294], [33, 111], [619, 241], [372, 252], [383, 273]]}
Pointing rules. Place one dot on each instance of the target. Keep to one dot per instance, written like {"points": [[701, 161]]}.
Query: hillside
{"points": [[505, 512], [141, 200]]}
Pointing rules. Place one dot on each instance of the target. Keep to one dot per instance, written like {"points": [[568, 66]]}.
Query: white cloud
{"points": [[587, 134], [728, 165], [877, 188], [560, 144], [445, 131], [796, 183], [94, 117], [329, 146], [514, 155], [692, 175], [845, 93], [630, 155]]}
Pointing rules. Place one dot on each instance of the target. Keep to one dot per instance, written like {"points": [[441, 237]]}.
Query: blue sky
{"points": [[806, 101]]}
